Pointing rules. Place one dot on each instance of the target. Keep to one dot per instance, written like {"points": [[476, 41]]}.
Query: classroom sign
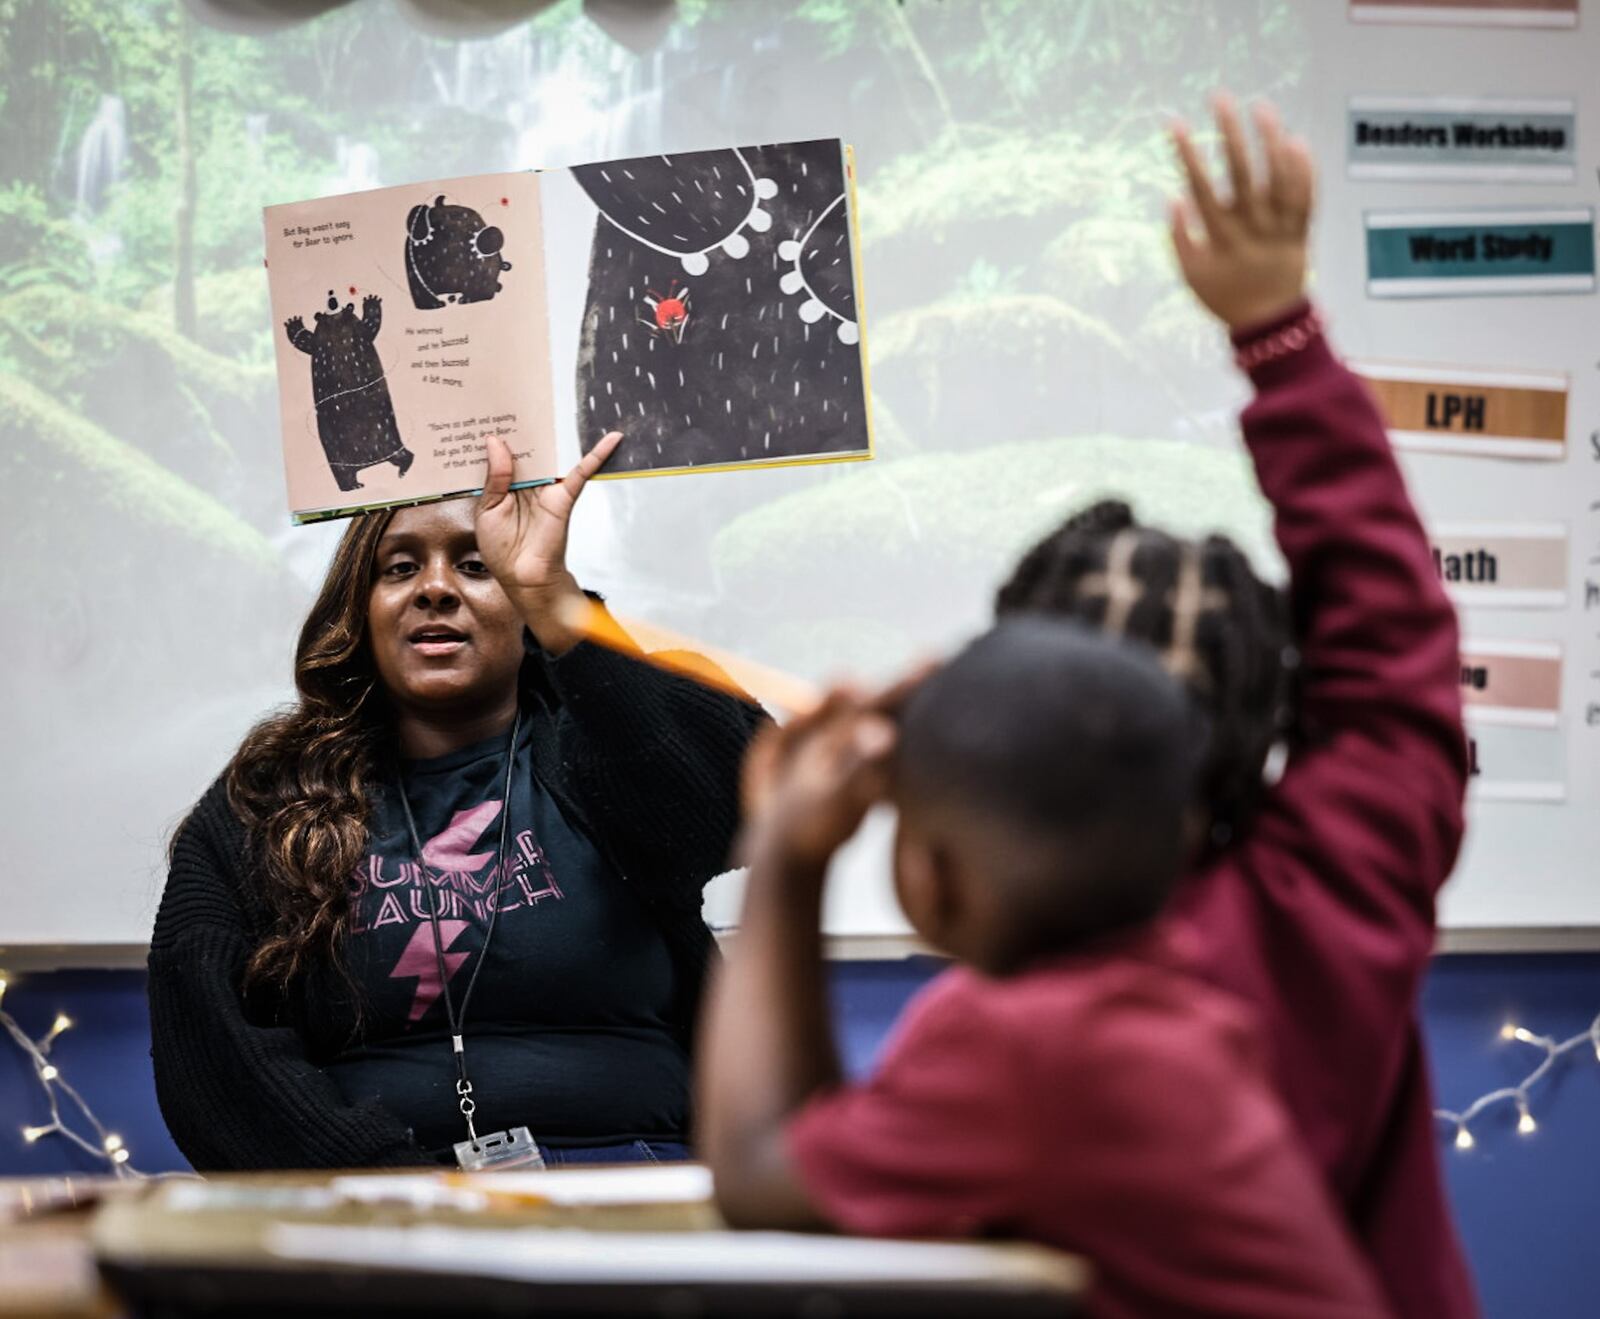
{"points": [[1493, 13], [1462, 139], [1487, 414], [1516, 764], [1413, 254], [1502, 565], [1511, 695], [1513, 683]]}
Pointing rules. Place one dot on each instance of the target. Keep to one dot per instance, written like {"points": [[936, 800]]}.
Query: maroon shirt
{"points": [[1322, 915], [1107, 1103]]}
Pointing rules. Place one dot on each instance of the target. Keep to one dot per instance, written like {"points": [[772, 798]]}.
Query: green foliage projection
{"points": [[1013, 173], [958, 522]]}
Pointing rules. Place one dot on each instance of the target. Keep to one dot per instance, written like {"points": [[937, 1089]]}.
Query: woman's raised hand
{"points": [[1244, 255], [522, 536]]}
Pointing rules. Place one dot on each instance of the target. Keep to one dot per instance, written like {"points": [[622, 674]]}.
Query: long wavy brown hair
{"points": [[300, 780]]}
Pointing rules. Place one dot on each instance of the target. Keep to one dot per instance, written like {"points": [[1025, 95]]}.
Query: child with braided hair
{"points": [[1068, 1081], [1311, 899]]}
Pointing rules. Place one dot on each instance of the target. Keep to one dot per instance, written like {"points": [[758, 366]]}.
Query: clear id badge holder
{"points": [[498, 1150]]}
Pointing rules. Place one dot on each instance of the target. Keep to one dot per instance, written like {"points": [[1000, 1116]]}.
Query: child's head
{"points": [[1218, 628], [1042, 779]]}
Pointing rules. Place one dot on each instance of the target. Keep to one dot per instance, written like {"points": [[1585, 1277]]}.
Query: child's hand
{"points": [[1248, 262], [808, 784]]}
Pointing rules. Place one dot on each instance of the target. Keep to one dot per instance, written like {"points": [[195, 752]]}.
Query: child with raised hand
{"points": [[1069, 1083], [1312, 899]]}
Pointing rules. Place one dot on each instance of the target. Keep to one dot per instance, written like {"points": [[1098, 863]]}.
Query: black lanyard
{"points": [[458, 1023]]}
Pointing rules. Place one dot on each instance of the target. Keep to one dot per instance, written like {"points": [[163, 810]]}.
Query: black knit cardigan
{"points": [[644, 762]]}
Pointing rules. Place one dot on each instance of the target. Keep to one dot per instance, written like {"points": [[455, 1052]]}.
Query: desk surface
{"points": [[636, 1241]]}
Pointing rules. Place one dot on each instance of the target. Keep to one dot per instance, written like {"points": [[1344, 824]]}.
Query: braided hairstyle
{"points": [[1220, 630]]}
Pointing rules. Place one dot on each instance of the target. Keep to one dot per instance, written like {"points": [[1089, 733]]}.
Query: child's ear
{"points": [[927, 882], [952, 908], [913, 878]]}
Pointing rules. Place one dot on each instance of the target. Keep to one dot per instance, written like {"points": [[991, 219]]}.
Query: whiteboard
{"points": [[1031, 350]]}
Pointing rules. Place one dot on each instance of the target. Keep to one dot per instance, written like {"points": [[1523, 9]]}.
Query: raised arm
{"points": [[371, 315], [1386, 763], [655, 756], [299, 336], [767, 1042], [238, 1094], [1377, 635]]}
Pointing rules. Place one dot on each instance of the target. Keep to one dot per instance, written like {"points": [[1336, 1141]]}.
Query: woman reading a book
{"points": [[446, 907]]}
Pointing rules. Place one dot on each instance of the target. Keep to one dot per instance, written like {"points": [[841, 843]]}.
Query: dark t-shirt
{"points": [[569, 1031]]}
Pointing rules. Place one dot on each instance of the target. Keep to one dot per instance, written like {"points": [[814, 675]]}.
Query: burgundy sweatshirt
{"points": [[1322, 914]]}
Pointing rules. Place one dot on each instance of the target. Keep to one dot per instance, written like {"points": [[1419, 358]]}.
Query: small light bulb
{"points": [[49, 1072], [31, 1134], [61, 1023], [1509, 1031], [2, 987], [1525, 1124], [1526, 1036], [113, 1143], [1464, 1139], [119, 1156]]}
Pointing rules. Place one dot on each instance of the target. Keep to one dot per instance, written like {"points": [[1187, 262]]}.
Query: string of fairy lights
{"points": [[1519, 1095], [107, 1147], [100, 1144]]}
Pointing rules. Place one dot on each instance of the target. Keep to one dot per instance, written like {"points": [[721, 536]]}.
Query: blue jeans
{"points": [[633, 1151]]}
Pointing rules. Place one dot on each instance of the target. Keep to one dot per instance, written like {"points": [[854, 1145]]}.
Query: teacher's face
{"points": [[443, 633]]}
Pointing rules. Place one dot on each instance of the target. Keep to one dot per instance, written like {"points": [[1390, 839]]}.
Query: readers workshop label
{"points": [[1456, 139]]}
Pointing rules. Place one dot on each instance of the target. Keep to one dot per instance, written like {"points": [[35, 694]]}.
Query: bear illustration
{"points": [[355, 417], [722, 330], [452, 255]]}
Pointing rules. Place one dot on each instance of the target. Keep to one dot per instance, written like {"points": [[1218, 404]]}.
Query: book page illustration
{"points": [[413, 328], [452, 255], [720, 325], [355, 417]]}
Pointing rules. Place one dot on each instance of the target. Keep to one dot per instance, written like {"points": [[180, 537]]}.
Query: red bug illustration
{"points": [[669, 316]]}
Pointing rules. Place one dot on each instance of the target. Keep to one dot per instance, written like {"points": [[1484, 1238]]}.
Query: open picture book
{"points": [[707, 305]]}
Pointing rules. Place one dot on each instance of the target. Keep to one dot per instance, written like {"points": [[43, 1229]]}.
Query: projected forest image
{"points": [[1029, 343]]}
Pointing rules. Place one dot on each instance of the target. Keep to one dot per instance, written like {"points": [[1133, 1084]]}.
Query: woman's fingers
{"points": [[558, 497], [573, 482], [594, 460], [1200, 189], [497, 485]]}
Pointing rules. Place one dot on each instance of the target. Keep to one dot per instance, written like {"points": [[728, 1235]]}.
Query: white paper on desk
{"points": [[676, 1183], [574, 1256]]}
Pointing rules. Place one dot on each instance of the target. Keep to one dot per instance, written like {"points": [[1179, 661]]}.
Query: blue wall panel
{"points": [[1525, 1204]]}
